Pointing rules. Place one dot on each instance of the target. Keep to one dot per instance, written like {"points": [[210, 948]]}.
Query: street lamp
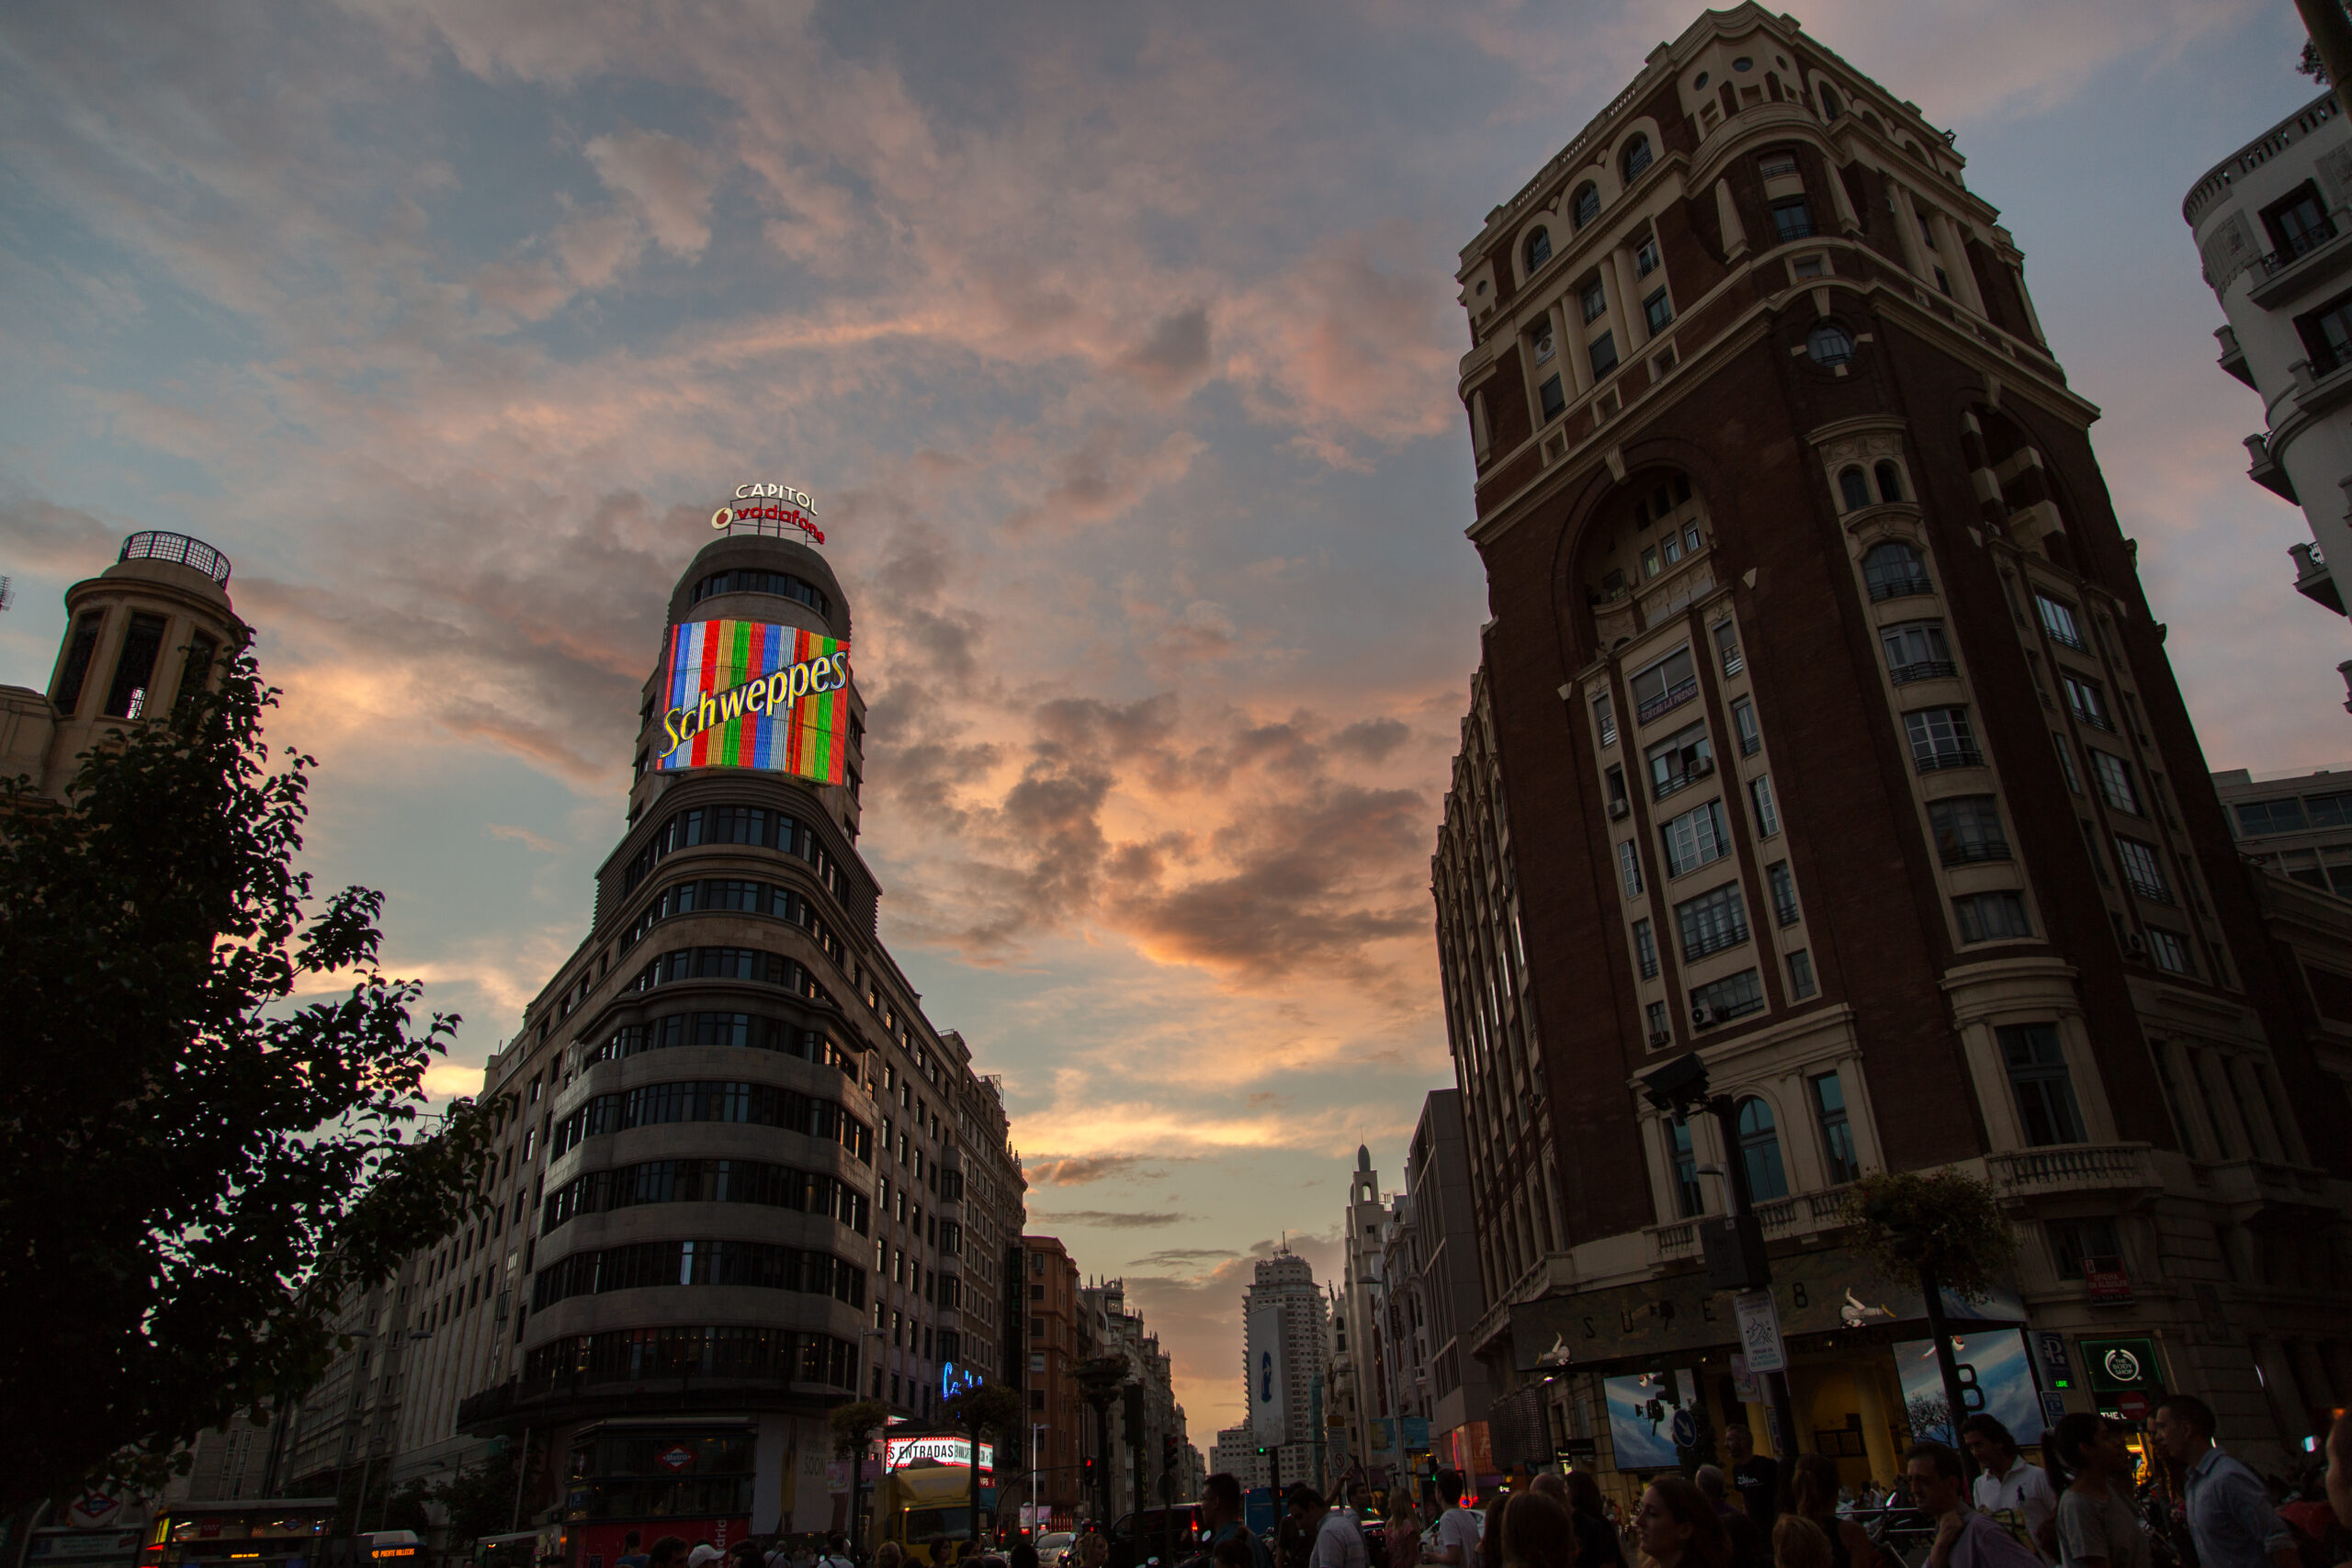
{"points": [[1098, 1378]]}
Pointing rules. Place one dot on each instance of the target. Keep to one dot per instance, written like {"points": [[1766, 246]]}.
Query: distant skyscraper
{"points": [[1287, 1334]]}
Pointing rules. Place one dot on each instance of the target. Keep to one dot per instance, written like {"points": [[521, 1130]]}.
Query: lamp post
{"points": [[1098, 1378], [858, 1468]]}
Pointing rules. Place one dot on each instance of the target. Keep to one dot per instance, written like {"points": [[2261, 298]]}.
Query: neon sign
{"points": [[754, 694], [955, 1454], [771, 503]]}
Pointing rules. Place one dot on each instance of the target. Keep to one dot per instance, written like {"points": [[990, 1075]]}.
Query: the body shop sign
{"points": [[956, 1453], [754, 694]]}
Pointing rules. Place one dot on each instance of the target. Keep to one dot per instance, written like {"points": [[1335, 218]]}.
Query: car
{"points": [[1053, 1548]]}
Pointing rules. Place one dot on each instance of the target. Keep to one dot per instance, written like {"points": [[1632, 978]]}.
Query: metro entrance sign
{"points": [[677, 1457]]}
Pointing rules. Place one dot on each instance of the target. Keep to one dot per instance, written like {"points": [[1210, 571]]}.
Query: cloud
{"points": [[1111, 1219], [525, 836], [1078, 1170], [665, 181]]}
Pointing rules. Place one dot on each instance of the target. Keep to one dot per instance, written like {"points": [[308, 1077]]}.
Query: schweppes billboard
{"points": [[753, 694]]}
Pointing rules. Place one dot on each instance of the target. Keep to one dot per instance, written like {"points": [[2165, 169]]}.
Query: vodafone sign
{"points": [[765, 502]]}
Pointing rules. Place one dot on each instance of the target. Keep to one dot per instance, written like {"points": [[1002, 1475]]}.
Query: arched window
{"points": [[1759, 1151], [1585, 206], [1890, 482], [1539, 248], [1829, 344], [1853, 489], [1635, 158], [1893, 569], [1829, 109]]}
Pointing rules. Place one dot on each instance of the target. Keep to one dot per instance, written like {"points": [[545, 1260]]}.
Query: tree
{"points": [[984, 1407], [195, 1169], [1946, 1227], [854, 1425]]}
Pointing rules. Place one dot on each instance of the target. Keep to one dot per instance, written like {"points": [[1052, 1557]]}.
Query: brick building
{"points": [[1057, 1343], [1823, 729]]}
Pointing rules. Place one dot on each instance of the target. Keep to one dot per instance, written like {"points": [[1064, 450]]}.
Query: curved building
{"points": [[734, 1197], [142, 634]]}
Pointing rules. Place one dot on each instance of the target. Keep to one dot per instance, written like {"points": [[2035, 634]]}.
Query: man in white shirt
{"points": [[1964, 1538], [1459, 1530], [2018, 1495], [1339, 1543]]}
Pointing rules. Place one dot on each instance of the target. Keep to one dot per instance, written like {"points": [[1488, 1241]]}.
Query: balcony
{"points": [[2233, 357], [2263, 469], [178, 549], [1886, 587], [2074, 1168], [2266, 1184], [486, 1407], [1673, 697], [1924, 669], [2309, 260], [1802, 1214], [1949, 757], [2313, 579]]}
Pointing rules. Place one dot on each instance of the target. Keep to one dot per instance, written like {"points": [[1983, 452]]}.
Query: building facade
{"points": [[1286, 1354], [747, 1180], [2273, 224], [1360, 1355], [1061, 1422], [1146, 1423], [1839, 748], [1440, 1252], [2299, 826]]}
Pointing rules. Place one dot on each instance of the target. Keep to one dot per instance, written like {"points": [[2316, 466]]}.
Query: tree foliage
{"points": [[854, 1425], [986, 1408], [210, 1132], [1945, 1220]]}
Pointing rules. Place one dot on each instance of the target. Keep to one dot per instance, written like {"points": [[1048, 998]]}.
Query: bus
{"points": [[268, 1532]]}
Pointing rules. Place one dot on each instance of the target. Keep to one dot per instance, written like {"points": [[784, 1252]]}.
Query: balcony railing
{"points": [[2298, 247], [1949, 757], [1883, 588], [1975, 854], [1673, 697], [1705, 942], [180, 549], [2073, 1167], [1924, 669]]}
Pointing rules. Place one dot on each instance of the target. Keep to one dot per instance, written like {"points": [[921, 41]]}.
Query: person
{"points": [[2230, 1516], [1598, 1544], [1798, 1542], [704, 1555], [837, 1552], [632, 1554], [2017, 1494], [1757, 1478], [2096, 1524], [1403, 1532], [1676, 1526], [1964, 1538], [1022, 1555], [1458, 1528], [1814, 1489], [1539, 1529], [1338, 1542], [1094, 1548], [669, 1552], [1221, 1518], [1750, 1548], [1491, 1531], [889, 1555], [1236, 1552], [746, 1553]]}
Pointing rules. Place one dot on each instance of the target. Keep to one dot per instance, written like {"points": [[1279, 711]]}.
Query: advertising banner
{"points": [[1995, 1376], [754, 694], [1269, 1403], [956, 1453], [1640, 1411]]}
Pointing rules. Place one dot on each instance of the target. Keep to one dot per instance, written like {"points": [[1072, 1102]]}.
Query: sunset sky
{"points": [[1116, 344]]}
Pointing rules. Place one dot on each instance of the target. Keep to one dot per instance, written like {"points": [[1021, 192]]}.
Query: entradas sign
{"points": [[755, 695], [956, 1453]]}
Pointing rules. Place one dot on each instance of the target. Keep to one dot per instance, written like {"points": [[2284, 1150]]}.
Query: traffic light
{"points": [[1167, 1450], [1086, 1471]]}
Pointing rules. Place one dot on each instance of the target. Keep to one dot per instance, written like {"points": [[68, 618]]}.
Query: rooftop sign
{"points": [[764, 502]]}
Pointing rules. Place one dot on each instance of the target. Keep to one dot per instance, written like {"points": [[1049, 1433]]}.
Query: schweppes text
{"points": [[770, 694]]}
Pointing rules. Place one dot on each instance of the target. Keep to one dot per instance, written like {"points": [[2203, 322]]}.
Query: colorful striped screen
{"points": [[751, 694]]}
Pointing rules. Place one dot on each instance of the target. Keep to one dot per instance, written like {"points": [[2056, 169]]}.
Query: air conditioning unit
{"points": [[1702, 766], [1620, 810], [2135, 945], [1702, 1016], [1662, 1037]]}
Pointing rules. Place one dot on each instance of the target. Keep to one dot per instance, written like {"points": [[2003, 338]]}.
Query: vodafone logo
{"points": [[771, 503]]}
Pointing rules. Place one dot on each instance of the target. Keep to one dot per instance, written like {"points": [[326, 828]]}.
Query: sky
{"points": [[1117, 347]]}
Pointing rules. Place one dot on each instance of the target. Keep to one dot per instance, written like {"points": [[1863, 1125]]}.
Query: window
{"points": [[1688, 1201], [1649, 562], [1727, 645], [2038, 1076], [1759, 1151], [1940, 738], [1541, 343], [1830, 107], [1681, 759], [1853, 488], [1657, 311], [781, 584], [1646, 258], [1603, 355], [1890, 482], [1712, 922], [1644, 950], [2327, 335], [1967, 829], [2074, 1242], [1815, 265], [1585, 206], [1829, 345], [1664, 685], [2114, 776], [1694, 839], [1784, 892], [2087, 701], [2141, 869], [198, 671], [2298, 224], [1539, 248], [1791, 219], [1605, 716], [1735, 997], [1801, 982], [1743, 722], [2256, 817], [1629, 868], [2066, 763], [2058, 620], [1767, 811], [1555, 397], [1837, 1133], [2170, 951], [1893, 570], [134, 667], [2327, 810], [1618, 805], [78, 654], [1635, 158], [1915, 650], [1991, 917], [1777, 165]]}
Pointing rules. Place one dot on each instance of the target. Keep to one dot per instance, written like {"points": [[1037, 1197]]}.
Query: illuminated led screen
{"points": [[751, 694]]}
